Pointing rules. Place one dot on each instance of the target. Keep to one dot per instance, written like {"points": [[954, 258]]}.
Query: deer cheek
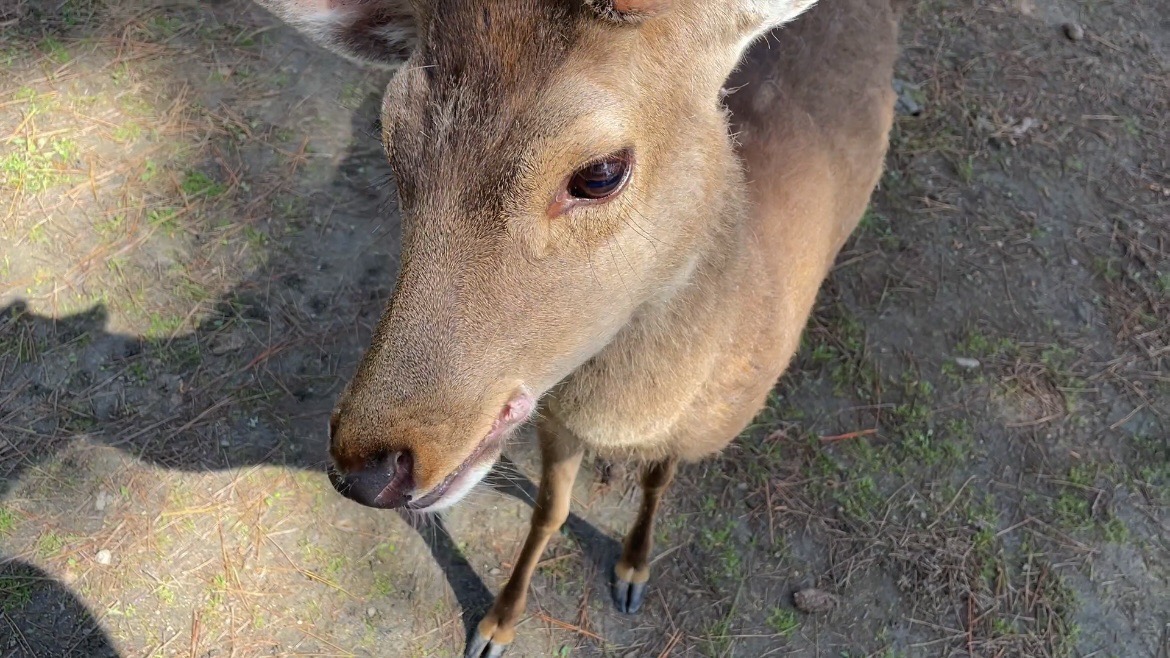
{"points": [[534, 237]]}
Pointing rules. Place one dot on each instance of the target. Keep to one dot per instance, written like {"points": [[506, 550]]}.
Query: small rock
{"points": [[495, 571], [371, 611], [906, 103], [814, 601], [104, 557], [103, 499], [742, 486], [1074, 31], [1023, 127], [966, 362]]}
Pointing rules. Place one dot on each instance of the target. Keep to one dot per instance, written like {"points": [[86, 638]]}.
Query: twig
{"points": [[569, 627], [849, 435]]}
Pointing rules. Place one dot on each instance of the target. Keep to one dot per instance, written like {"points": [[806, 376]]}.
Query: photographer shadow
{"points": [[51, 363]]}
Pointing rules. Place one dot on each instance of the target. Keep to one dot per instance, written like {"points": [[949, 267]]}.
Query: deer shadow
{"points": [[473, 596]]}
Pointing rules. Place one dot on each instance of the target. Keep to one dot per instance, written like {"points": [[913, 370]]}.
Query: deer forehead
{"points": [[454, 133]]}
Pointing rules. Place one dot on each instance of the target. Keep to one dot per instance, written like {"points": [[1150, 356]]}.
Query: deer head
{"points": [[560, 165]]}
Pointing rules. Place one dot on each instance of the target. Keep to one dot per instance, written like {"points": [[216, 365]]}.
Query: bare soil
{"points": [[970, 457]]}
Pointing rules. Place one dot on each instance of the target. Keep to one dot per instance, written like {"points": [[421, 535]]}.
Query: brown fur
{"points": [[653, 325]]}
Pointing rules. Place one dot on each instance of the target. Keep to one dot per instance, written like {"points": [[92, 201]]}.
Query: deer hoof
{"points": [[629, 586], [488, 640], [483, 647], [628, 596]]}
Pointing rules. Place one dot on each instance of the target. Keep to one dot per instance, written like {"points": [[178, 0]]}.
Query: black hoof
{"points": [[628, 596], [483, 647]]}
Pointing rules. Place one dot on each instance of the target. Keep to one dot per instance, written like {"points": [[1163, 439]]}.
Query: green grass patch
{"points": [[164, 219], [110, 227], [49, 544], [717, 538], [717, 639], [979, 345], [256, 239], [1071, 507], [783, 621], [15, 591], [859, 498], [1153, 472], [128, 132], [383, 585], [38, 165], [149, 171], [33, 101], [165, 595], [54, 50], [199, 184], [162, 27], [837, 342], [164, 325], [878, 225], [8, 520]]}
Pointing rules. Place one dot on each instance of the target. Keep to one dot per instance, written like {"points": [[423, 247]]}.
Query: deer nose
{"points": [[385, 482]]}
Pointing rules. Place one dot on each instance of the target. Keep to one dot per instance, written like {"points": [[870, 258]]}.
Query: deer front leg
{"points": [[633, 569], [560, 457]]}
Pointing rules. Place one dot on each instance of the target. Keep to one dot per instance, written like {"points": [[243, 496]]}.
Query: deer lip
{"points": [[515, 412], [489, 445]]}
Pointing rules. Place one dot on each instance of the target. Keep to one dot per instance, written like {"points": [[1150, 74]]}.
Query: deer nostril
{"points": [[386, 482], [401, 483]]}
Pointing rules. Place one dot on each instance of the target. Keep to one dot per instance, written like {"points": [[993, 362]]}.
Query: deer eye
{"points": [[601, 179]]}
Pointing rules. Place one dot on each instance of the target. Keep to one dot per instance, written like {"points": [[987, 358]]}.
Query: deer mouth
{"points": [[463, 478]]}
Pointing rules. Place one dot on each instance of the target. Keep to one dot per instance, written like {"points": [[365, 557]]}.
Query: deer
{"points": [[616, 218]]}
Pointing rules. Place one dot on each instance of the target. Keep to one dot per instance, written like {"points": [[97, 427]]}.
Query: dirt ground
{"points": [[971, 453]]}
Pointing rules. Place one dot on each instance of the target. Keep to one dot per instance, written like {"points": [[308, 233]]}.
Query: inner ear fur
{"points": [[379, 32], [627, 11]]}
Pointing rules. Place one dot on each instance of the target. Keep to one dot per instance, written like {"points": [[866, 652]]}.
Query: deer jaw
{"points": [[509, 279]]}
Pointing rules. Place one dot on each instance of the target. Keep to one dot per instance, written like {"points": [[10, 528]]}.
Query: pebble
{"points": [[104, 557], [495, 571], [814, 600], [905, 103], [103, 499], [371, 611], [966, 362], [1074, 31]]}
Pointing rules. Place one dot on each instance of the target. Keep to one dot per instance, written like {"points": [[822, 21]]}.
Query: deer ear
{"points": [[628, 11], [640, 6], [382, 32], [763, 15]]}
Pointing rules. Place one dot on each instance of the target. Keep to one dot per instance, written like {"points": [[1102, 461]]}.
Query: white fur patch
{"points": [[461, 487], [773, 14], [345, 29]]}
